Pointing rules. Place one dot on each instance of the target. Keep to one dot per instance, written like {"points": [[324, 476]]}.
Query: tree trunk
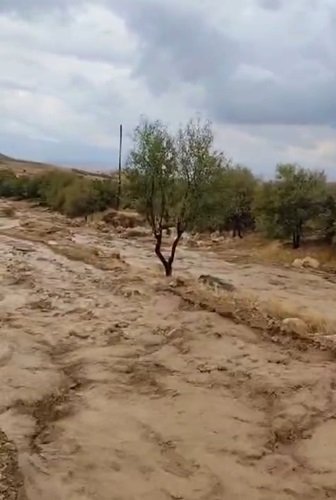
{"points": [[237, 227], [296, 240], [329, 237], [167, 263], [169, 269]]}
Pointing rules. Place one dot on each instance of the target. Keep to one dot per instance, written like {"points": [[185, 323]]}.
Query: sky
{"points": [[263, 71]]}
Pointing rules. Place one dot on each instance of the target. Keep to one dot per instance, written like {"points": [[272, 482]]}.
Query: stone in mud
{"points": [[298, 263], [309, 262], [79, 334]]}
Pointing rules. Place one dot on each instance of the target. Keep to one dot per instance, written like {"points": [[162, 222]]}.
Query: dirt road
{"points": [[114, 390]]}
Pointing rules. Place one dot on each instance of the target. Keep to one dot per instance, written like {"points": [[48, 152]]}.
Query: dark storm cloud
{"points": [[252, 66], [270, 4], [32, 7], [177, 43], [180, 43]]}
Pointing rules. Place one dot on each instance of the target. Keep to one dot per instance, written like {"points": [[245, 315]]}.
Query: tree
{"points": [[239, 195], [284, 206], [326, 220], [227, 199], [167, 174]]}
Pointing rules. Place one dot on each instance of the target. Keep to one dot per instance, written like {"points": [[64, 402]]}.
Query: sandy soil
{"points": [[114, 390]]}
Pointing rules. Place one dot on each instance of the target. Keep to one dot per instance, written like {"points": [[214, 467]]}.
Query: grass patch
{"points": [[266, 318]]}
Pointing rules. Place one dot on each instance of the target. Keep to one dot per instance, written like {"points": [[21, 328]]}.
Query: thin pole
{"points": [[119, 182]]}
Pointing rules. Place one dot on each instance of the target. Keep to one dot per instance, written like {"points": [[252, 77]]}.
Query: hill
{"points": [[5, 158], [27, 167]]}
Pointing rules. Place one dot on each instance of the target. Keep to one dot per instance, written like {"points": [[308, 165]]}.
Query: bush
{"points": [[62, 191], [7, 183]]}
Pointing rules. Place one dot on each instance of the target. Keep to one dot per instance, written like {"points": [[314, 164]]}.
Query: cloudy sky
{"points": [[263, 71]]}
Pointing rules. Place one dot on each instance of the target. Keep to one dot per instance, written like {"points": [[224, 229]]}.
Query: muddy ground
{"points": [[114, 388]]}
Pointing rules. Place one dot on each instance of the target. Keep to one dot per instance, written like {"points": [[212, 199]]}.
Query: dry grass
{"points": [[23, 167], [315, 322], [246, 309], [254, 248], [280, 310], [276, 252]]}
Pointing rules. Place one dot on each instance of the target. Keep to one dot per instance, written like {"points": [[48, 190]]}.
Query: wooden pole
{"points": [[119, 180]]}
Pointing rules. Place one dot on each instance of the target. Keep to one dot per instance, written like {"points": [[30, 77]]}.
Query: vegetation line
{"points": [[179, 180]]}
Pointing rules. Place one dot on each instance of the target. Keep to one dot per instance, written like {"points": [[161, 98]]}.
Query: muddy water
{"points": [[111, 390], [293, 290]]}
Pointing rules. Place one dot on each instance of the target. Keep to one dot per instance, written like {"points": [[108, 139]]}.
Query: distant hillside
{"points": [[26, 167], [5, 158]]}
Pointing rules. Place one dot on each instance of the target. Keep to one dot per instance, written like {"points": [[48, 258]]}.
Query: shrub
{"points": [[65, 192]]}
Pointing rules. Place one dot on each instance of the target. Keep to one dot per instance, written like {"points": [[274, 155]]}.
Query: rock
{"points": [[306, 262], [216, 237], [294, 325], [79, 334], [311, 262], [176, 283], [298, 263], [131, 293]]}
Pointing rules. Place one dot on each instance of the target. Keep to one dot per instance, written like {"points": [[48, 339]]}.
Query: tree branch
{"points": [[179, 231]]}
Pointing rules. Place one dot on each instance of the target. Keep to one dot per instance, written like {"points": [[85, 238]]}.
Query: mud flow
{"points": [[113, 388]]}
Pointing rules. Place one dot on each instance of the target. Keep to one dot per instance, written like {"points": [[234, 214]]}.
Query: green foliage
{"points": [[168, 174], [65, 192], [7, 183], [284, 206], [229, 192], [152, 171], [326, 221], [179, 179]]}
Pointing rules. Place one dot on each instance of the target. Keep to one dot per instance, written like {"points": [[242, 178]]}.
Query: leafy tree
{"points": [[227, 199], [326, 220], [286, 205], [167, 175]]}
